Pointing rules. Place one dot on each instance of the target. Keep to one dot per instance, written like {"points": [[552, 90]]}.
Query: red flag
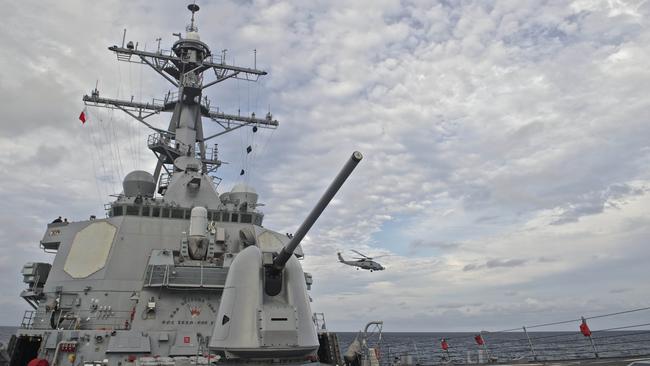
{"points": [[444, 345], [479, 339], [584, 329], [82, 116]]}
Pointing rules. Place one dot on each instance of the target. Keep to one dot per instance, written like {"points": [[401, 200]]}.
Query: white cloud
{"points": [[484, 127]]}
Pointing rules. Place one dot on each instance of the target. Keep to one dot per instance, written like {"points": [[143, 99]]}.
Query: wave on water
{"points": [[6, 333], [426, 348]]}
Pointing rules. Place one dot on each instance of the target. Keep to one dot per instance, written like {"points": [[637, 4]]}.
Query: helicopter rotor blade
{"points": [[361, 254], [380, 256]]}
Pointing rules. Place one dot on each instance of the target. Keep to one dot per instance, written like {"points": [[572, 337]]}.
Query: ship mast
{"points": [[184, 67]]}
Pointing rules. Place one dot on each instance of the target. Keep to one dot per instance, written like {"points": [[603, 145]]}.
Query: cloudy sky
{"points": [[506, 144]]}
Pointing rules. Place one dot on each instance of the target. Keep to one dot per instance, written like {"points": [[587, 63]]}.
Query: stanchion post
{"points": [[530, 343], [417, 353], [481, 342], [445, 347], [593, 345], [584, 329], [485, 347], [388, 357]]}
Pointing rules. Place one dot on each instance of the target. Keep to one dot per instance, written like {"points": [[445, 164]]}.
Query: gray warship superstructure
{"points": [[176, 274]]}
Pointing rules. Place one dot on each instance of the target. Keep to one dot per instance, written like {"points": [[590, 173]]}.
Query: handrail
{"points": [[561, 345]]}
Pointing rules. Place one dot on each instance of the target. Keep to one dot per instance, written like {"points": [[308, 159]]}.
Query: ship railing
{"points": [[162, 139], [319, 322], [164, 180], [123, 56], [604, 336], [185, 277], [173, 97], [166, 52], [211, 154], [159, 101], [215, 181]]}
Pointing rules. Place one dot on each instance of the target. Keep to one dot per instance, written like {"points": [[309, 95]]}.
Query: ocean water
{"points": [[5, 334], [425, 347]]}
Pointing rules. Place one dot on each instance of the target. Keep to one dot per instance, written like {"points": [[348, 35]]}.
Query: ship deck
{"points": [[613, 361]]}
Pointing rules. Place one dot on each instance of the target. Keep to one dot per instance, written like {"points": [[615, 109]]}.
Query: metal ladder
{"points": [[28, 319]]}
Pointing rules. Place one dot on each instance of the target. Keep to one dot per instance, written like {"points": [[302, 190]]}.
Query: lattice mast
{"points": [[184, 67]]}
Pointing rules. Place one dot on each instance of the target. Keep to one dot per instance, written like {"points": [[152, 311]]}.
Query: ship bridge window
{"points": [[133, 210], [155, 212], [117, 211], [177, 213], [234, 217], [165, 212], [145, 210], [187, 214], [246, 218], [258, 220]]}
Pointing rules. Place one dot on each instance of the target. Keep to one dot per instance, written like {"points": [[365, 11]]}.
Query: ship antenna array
{"points": [[184, 67], [171, 68], [193, 8]]}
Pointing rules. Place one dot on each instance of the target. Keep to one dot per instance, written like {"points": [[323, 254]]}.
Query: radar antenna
{"points": [[184, 67], [193, 8]]}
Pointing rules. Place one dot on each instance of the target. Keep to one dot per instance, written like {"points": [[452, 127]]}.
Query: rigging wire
{"points": [[261, 147], [249, 147], [116, 146], [563, 334], [94, 151], [618, 313], [117, 154], [140, 127], [241, 143], [129, 126], [248, 136], [105, 144], [254, 144]]}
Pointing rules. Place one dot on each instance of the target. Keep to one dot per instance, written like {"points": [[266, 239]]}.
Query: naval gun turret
{"points": [[265, 311], [273, 270]]}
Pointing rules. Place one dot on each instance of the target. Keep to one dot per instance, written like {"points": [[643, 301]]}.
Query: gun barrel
{"points": [[287, 251]]}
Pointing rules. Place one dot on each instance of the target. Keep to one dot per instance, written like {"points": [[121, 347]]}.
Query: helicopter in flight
{"points": [[363, 262]]}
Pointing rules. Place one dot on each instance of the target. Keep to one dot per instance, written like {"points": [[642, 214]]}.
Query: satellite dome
{"points": [[244, 194], [243, 188], [139, 183]]}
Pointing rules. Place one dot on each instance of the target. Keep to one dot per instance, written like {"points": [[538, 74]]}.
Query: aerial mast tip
{"points": [[193, 8]]}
